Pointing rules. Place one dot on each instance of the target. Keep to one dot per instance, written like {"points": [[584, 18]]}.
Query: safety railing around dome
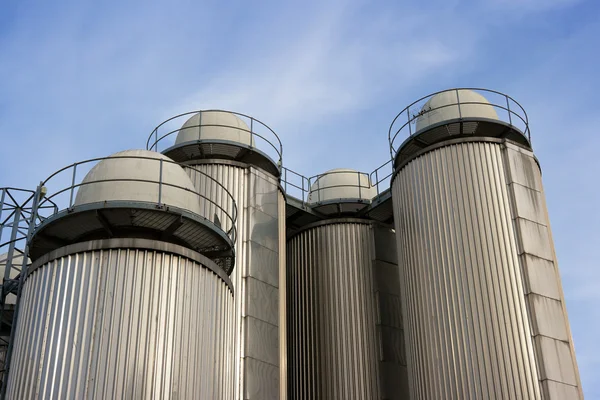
{"points": [[262, 137], [63, 185], [299, 186], [508, 110], [295, 184]]}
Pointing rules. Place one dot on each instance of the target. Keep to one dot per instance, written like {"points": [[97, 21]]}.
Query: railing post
{"points": [[359, 188], [508, 109], [409, 127], [377, 180], [73, 185], [302, 179], [318, 188], [199, 126], [251, 130], [458, 103], [160, 174], [155, 140]]}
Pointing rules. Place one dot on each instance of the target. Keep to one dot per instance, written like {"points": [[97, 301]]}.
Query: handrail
{"points": [[174, 125], [510, 116], [374, 180], [303, 187], [211, 201], [315, 187]]}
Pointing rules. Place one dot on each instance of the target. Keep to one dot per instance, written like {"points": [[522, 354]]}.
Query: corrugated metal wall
{"points": [[283, 395], [467, 326], [551, 333], [255, 276], [121, 323], [343, 343]]}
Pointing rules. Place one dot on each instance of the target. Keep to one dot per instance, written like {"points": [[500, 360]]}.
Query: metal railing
{"points": [[358, 182], [508, 110], [381, 177], [64, 184], [261, 136], [295, 184], [305, 189]]}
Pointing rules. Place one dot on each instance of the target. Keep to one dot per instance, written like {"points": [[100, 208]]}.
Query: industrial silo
{"points": [[126, 296], [485, 316], [244, 155], [345, 337]]}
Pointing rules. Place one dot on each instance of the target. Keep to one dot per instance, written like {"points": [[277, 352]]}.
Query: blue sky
{"points": [[82, 79]]}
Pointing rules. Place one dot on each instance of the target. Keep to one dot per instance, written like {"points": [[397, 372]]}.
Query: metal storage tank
{"points": [[485, 315], [345, 337], [244, 155], [119, 302]]}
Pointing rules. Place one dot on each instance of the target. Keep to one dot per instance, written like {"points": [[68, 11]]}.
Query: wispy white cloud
{"points": [[332, 66], [337, 65]]}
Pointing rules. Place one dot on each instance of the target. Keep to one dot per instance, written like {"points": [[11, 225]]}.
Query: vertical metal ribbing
{"points": [[119, 323], [554, 351], [283, 375], [234, 179], [333, 341], [467, 328], [260, 233]]}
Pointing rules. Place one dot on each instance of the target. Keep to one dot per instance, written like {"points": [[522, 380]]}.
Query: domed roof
{"points": [[215, 125], [434, 112], [177, 188], [341, 183]]}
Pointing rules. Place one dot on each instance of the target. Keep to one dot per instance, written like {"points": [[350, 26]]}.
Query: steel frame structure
{"points": [[19, 214]]}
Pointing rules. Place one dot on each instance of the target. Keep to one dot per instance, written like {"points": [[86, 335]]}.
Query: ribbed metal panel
{"points": [[467, 328], [555, 353], [336, 344], [282, 301], [255, 276], [123, 323], [234, 179]]}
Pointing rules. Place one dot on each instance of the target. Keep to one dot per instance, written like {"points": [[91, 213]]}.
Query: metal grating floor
{"points": [[456, 129], [106, 220], [234, 151]]}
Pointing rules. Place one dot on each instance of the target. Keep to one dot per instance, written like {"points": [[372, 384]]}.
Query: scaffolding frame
{"points": [[19, 214]]}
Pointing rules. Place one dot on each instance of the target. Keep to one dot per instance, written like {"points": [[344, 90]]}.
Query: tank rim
{"points": [[181, 153], [131, 243], [225, 253], [339, 220], [451, 142]]}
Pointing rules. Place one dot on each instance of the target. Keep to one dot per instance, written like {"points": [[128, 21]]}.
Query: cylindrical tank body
{"points": [[484, 313], [221, 145], [256, 276], [124, 318], [345, 338]]}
